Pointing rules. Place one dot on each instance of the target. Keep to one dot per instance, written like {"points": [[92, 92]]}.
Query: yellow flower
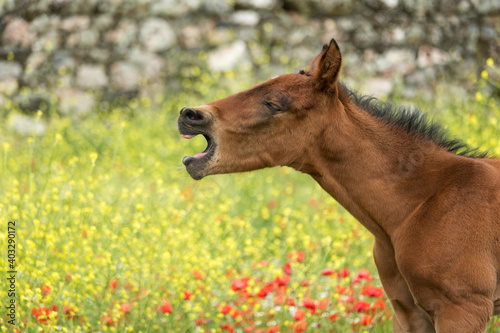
{"points": [[479, 97], [93, 157]]}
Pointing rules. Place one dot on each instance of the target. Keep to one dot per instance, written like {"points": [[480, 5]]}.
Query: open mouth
{"points": [[204, 154], [196, 165]]}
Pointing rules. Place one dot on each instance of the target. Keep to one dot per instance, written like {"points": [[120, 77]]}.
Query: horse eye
{"points": [[273, 107]]}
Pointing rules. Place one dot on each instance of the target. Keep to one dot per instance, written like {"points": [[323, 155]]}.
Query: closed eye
{"points": [[273, 106]]}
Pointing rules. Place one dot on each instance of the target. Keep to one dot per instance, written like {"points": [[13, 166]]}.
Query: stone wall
{"points": [[75, 52]]}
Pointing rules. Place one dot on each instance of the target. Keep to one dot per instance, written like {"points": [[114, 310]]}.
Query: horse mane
{"points": [[413, 121]]}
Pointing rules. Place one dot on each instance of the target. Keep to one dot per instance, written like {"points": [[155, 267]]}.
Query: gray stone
{"points": [[464, 6], [420, 77], [150, 65], [428, 56], [400, 61], [415, 33], [17, 32], [258, 4], [333, 7], [8, 86], [125, 76], [26, 125], [365, 35], [102, 22], [157, 35], [390, 3], [41, 24], [123, 35], [75, 23], [173, 8], [74, 101], [379, 86], [48, 42], [84, 38], [91, 76], [221, 35], [217, 7], [227, 57], [60, 59], [10, 69], [487, 6], [191, 36], [245, 17], [99, 55]]}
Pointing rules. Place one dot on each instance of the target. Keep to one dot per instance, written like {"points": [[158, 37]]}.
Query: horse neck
{"points": [[378, 173]]}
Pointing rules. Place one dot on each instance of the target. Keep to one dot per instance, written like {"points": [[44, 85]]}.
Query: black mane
{"points": [[413, 121]]}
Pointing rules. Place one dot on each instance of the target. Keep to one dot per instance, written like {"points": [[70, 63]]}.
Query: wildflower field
{"points": [[111, 233]]}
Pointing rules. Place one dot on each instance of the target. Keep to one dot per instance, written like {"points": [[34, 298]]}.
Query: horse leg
{"points": [[471, 316], [407, 316]]}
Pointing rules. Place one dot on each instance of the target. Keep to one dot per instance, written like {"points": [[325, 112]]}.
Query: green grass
{"points": [[110, 229]]}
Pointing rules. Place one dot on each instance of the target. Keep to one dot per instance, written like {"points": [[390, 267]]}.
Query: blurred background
{"points": [[77, 55], [113, 234]]}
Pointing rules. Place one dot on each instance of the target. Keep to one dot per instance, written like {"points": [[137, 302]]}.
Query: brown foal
{"points": [[432, 204]]}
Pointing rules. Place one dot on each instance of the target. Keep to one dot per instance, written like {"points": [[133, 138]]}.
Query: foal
{"points": [[432, 204]]}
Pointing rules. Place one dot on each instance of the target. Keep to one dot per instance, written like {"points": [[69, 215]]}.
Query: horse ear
{"points": [[325, 67]]}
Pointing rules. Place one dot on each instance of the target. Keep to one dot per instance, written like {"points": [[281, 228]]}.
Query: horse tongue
{"points": [[200, 155], [187, 136]]}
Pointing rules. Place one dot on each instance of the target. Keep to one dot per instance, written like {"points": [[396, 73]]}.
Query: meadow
{"points": [[112, 235]]}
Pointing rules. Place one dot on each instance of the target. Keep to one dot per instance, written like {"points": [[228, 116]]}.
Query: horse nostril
{"points": [[193, 116]]}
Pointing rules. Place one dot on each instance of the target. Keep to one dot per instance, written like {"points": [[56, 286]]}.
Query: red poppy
{"points": [[227, 327], [290, 301], [333, 317], [40, 314], [361, 306], [240, 283], [298, 256], [363, 274], [299, 315], [379, 305], [45, 289], [265, 290], [287, 268], [340, 289], [225, 309], [366, 320], [249, 329], [273, 329], [237, 313], [166, 307], [300, 326], [187, 295], [107, 320], [309, 303], [323, 303], [69, 311], [197, 275], [125, 308], [282, 280], [260, 264], [371, 291], [327, 272], [343, 273], [113, 284], [200, 321]]}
